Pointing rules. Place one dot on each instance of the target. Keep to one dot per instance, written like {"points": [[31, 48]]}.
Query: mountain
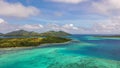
{"points": [[21, 33], [55, 33], [1, 33], [28, 33]]}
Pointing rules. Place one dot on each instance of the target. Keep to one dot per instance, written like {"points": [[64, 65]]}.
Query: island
{"points": [[21, 33], [55, 33], [1, 34], [32, 33], [109, 36], [32, 39]]}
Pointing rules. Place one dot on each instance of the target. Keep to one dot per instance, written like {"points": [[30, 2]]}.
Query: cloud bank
{"points": [[98, 28], [68, 1], [108, 7], [6, 27], [17, 10]]}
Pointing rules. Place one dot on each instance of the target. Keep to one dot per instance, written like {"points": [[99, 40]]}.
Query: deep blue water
{"points": [[108, 48]]}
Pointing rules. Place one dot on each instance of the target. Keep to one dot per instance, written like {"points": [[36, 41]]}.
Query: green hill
{"points": [[27, 42], [1, 34], [21, 33], [49, 37], [28, 33], [55, 33]]}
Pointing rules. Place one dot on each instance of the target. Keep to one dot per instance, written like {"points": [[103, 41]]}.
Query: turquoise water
{"points": [[84, 52]]}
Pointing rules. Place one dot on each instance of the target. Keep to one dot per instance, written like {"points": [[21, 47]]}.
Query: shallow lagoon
{"points": [[85, 52]]}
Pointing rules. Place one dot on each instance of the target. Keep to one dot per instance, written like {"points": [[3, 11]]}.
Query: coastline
{"points": [[40, 46], [31, 42]]}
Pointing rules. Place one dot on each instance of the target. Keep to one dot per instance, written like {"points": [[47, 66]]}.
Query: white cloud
{"points": [[68, 1], [31, 27], [16, 9], [108, 27], [1, 21], [38, 27], [55, 27], [109, 7], [6, 27], [70, 27]]}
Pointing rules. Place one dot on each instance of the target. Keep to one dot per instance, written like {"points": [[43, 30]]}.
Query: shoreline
{"points": [[40, 46], [31, 42]]}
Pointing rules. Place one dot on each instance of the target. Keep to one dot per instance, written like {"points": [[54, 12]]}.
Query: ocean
{"points": [[85, 51]]}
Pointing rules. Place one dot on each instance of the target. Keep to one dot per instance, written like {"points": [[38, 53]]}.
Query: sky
{"points": [[72, 16]]}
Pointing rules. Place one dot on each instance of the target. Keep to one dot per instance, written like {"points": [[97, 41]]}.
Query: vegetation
{"points": [[26, 42], [1, 34], [21, 33], [28, 33], [55, 33], [22, 38], [19, 42], [52, 39]]}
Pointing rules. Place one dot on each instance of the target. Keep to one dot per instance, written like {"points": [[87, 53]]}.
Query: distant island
{"points": [[55, 33], [1, 34], [21, 33], [32, 40], [109, 36], [31, 33]]}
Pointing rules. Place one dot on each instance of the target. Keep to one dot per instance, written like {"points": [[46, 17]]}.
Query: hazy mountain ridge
{"points": [[32, 33], [1, 33], [21, 33], [55, 33]]}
